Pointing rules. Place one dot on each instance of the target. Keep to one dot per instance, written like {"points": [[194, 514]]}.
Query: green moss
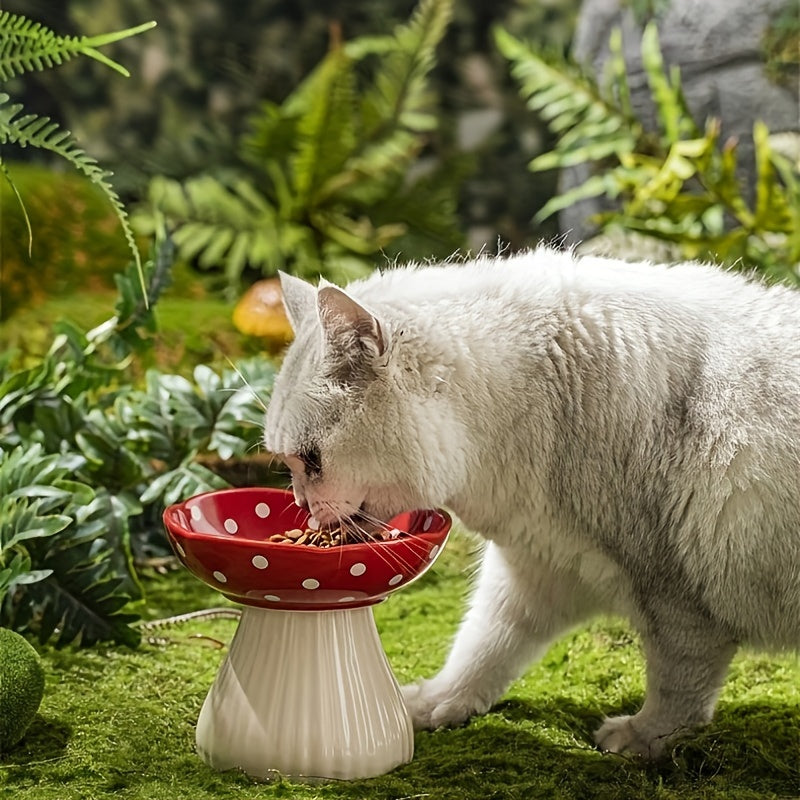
{"points": [[120, 723], [194, 327], [77, 242], [21, 687]]}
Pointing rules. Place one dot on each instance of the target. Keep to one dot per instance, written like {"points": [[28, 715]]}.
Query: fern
{"points": [[317, 154], [27, 45], [397, 108], [87, 464], [592, 124], [675, 183], [325, 165]]}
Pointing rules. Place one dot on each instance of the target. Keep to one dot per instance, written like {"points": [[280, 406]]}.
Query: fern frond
{"points": [[335, 150], [397, 110], [674, 115], [219, 224], [325, 133], [35, 131], [400, 94], [27, 46], [591, 124]]}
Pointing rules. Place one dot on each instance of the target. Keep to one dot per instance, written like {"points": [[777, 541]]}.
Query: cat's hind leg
{"points": [[687, 659], [517, 609]]}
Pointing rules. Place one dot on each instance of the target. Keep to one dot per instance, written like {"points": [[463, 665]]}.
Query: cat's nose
{"points": [[300, 501]]}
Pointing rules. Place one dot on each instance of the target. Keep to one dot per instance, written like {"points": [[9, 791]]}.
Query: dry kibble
{"points": [[331, 537]]}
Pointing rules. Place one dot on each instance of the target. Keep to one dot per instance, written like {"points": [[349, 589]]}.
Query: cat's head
{"points": [[356, 412]]}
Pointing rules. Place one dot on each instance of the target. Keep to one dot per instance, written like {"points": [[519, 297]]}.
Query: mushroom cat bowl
{"points": [[224, 539], [305, 690]]}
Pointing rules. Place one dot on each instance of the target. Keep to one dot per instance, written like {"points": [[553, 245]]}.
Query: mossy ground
{"points": [[194, 327], [120, 723]]}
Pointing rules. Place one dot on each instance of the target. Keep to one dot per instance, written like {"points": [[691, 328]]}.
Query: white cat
{"points": [[626, 437]]}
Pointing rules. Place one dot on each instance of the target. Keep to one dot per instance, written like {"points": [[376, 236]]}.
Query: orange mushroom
{"points": [[260, 313]]}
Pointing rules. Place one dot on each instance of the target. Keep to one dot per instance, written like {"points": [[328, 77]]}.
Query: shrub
{"points": [[329, 182], [678, 183], [88, 462]]}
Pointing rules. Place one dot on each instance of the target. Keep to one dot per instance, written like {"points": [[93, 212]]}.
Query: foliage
{"points": [[328, 181], [203, 73], [781, 45], [26, 46], [87, 463], [677, 184]]}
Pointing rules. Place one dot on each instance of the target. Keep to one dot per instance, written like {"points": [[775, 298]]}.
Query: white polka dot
{"points": [[346, 599], [426, 526], [395, 580], [434, 552], [273, 598], [310, 583], [231, 525], [358, 569], [196, 513], [218, 576], [181, 551], [259, 562], [262, 510]]}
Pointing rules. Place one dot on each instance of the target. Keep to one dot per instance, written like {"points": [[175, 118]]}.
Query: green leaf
{"points": [[26, 45], [325, 133], [590, 123]]}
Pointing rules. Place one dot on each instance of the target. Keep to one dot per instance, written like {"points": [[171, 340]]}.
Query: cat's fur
{"points": [[625, 437]]}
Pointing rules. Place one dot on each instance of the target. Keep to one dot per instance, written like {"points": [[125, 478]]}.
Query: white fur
{"points": [[625, 436]]}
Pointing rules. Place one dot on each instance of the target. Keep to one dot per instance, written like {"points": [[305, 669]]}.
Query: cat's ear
{"points": [[299, 300], [344, 320]]}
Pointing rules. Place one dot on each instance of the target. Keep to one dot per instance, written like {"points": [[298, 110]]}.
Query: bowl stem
{"points": [[305, 694]]}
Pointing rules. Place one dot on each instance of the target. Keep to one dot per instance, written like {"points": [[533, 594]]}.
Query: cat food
{"points": [[332, 537]]}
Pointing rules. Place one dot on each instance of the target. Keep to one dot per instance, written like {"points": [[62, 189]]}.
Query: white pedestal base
{"points": [[307, 694]]}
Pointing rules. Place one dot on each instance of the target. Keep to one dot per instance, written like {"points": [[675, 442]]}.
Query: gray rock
{"points": [[718, 46]]}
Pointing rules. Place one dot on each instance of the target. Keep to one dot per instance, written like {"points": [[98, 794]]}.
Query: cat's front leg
{"points": [[516, 611], [686, 663]]}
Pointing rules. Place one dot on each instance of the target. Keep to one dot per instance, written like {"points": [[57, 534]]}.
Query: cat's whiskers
{"points": [[389, 556], [247, 384], [413, 540], [255, 447], [289, 503]]}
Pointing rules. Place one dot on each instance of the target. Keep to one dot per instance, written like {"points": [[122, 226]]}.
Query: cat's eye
{"points": [[311, 460]]}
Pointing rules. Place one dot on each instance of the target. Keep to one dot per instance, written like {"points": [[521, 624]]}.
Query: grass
{"points": [[120, 723], [195, 327]]}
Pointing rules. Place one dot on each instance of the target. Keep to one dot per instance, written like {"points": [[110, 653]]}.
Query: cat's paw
{"points": [[632, 736], [431, 707]]}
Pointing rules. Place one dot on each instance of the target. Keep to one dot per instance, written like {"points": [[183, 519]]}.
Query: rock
{"points": [[475, 126], [21, 687], [719, 47]]}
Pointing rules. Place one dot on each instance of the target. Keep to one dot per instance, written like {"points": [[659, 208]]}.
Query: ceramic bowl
{"points": [[222, 537]]}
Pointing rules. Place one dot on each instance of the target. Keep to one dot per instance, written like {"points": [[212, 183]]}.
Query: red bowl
{"points": [[222, 538]]}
